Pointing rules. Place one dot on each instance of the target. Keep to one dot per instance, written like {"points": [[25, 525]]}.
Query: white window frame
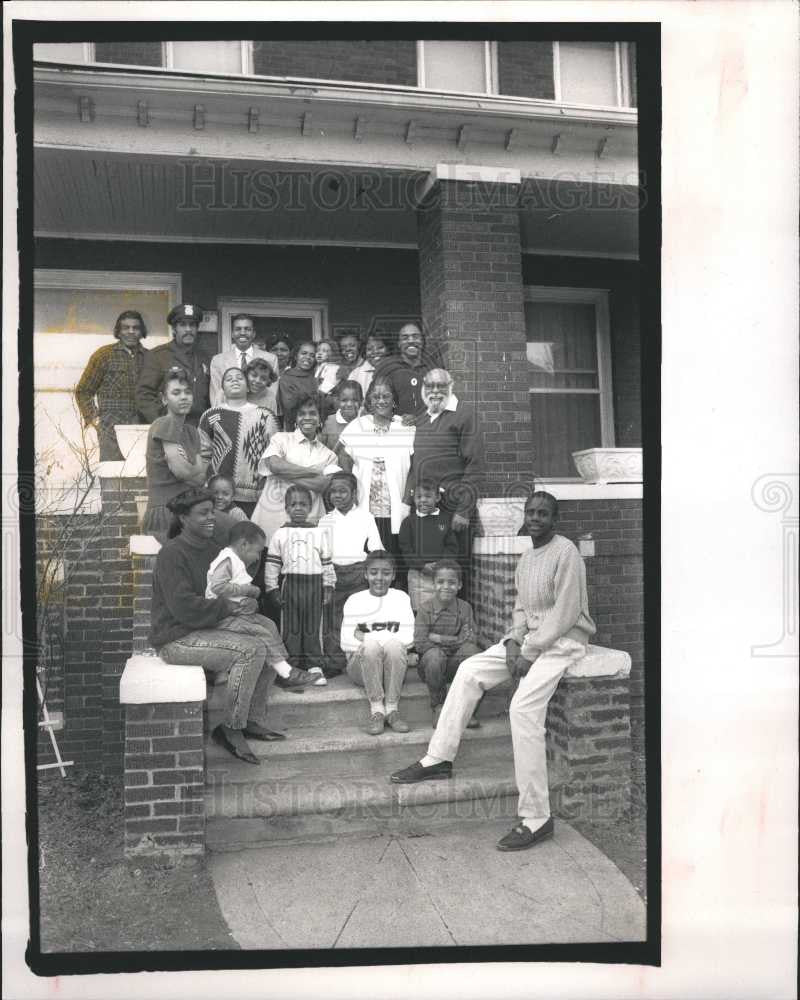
{"points": [[597, 297], [622, 81], [245, 57], [490, 75], [115, 281], [314, 309]]}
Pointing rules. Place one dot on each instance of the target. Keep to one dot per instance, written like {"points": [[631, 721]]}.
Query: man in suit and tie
{"points": [[243, 332]]}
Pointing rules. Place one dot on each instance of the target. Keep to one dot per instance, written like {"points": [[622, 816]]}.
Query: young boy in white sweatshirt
{"points": [[377, 629]]}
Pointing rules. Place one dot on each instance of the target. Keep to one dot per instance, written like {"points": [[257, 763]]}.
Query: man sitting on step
{"points": [[550, 629]]}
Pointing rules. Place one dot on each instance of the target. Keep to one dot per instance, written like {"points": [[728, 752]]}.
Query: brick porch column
{"points": [[472, 305]]}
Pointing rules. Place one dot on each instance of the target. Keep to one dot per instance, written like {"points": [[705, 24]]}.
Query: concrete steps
{"points": [[329, 778]]}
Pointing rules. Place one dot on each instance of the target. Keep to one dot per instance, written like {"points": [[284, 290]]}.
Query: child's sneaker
{"points": [[320, 677]]}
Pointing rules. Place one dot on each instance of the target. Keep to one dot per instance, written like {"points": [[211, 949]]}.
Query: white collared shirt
{"points": [[349, 533]]}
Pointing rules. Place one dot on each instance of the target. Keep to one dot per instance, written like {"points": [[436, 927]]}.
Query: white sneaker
{"points": [[322, 680]]}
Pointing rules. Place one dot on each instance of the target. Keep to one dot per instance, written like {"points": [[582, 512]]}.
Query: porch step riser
{"points": [[326, 716], [236, 833]]}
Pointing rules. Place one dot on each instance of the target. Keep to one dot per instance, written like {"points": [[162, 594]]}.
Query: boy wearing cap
{"points": [[181, 351]]}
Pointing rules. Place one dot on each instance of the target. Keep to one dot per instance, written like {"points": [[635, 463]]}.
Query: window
{"points": [[465, 67], [601, 74], [569, 361], [206, 57], [73, 315]]}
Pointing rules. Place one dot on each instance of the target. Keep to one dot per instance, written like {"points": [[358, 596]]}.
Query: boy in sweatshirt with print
{"points": [[377, 629]]}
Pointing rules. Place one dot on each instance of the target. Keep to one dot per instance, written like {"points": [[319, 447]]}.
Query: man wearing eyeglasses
{"points": [[448, 448], [182, 352]]}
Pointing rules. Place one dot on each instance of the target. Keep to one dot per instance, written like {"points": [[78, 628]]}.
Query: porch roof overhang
{"points": [[160, 112], [113, 148]]}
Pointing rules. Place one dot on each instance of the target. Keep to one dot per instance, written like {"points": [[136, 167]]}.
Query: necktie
{"points": [[243, 361]]}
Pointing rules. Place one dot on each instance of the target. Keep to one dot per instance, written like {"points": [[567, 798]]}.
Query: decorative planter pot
{"points": [[609, 465], [501, 515], [132, 440]]}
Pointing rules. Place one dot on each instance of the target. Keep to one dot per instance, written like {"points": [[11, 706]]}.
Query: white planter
{"points": [[132, 440], [501, 515], [609, 465]]}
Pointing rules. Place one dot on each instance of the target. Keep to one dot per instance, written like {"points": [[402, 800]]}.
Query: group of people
{"points": [[315, 513]]}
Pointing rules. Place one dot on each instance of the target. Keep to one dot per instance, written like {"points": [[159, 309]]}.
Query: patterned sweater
{"points": [[303, 549], [238, 438]]}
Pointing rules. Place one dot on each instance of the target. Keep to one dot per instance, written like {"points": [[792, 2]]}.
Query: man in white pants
{"points": [[550, 629]]}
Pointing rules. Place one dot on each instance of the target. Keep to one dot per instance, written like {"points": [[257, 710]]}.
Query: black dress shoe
{"points": [[218, 736], [266, 735], [521, 838], [415, 773]]}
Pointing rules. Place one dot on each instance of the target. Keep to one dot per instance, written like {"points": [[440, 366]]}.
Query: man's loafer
{"points": [[218, 736], [410, 775], [265, 735], [521, 838]]}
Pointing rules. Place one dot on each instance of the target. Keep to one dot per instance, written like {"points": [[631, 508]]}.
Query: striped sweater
{"points": [[551, 600]]}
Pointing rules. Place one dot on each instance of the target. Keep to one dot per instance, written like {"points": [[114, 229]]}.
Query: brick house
{"points": [[489, 188]]}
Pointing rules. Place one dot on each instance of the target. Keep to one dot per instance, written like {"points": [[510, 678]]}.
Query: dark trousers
{"points": [[390, 544], [437, 667], [349, 580], [301, 619]]}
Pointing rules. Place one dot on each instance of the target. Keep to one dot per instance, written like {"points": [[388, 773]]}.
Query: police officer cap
{"points": [[184, 311]]}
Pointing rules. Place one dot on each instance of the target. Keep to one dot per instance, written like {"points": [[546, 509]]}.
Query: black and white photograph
{"points": [[371, 673]]}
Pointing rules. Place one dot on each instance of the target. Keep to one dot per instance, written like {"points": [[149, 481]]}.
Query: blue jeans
{"points": [[245, 659]]}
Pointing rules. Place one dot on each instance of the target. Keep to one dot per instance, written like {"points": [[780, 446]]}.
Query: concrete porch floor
{"points": [[443, 888]]}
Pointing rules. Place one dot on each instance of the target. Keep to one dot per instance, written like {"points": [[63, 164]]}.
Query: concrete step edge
{"points": [[353, 738]]}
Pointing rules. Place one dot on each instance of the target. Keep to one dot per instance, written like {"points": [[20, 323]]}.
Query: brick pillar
{"points": [[589, 748], [164, 758], [120, 521], [472, 307], [143, 549]]}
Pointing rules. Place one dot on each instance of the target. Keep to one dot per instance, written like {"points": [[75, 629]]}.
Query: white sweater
{"points": [[392, 610], [226, 574], [551, 597]]}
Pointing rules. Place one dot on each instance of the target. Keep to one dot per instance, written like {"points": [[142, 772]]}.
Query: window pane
{"points": [[525, 69], [562, 424], [59, 51], [562, 345], [130, 53], [588, 73], [392, 62], [208, 57], [455, 66]]}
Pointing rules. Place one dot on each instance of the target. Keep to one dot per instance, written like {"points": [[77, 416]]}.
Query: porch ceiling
{"points": [[95, 195]]}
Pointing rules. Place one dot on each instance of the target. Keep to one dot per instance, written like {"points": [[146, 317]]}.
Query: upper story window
{"points": [[599, 74]]}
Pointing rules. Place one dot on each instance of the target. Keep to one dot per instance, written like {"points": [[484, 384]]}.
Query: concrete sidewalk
{"points": [[442, 888]]}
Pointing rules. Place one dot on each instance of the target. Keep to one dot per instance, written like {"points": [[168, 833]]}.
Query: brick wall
{"points": [[121, 521], [615, 584], [142, 566], [371, 61], [525, 69], [471, 292], [73, 683], [164, 779]]}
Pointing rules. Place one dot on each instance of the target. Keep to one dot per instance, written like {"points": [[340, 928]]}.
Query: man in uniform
{"points": [[181, 351]]}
